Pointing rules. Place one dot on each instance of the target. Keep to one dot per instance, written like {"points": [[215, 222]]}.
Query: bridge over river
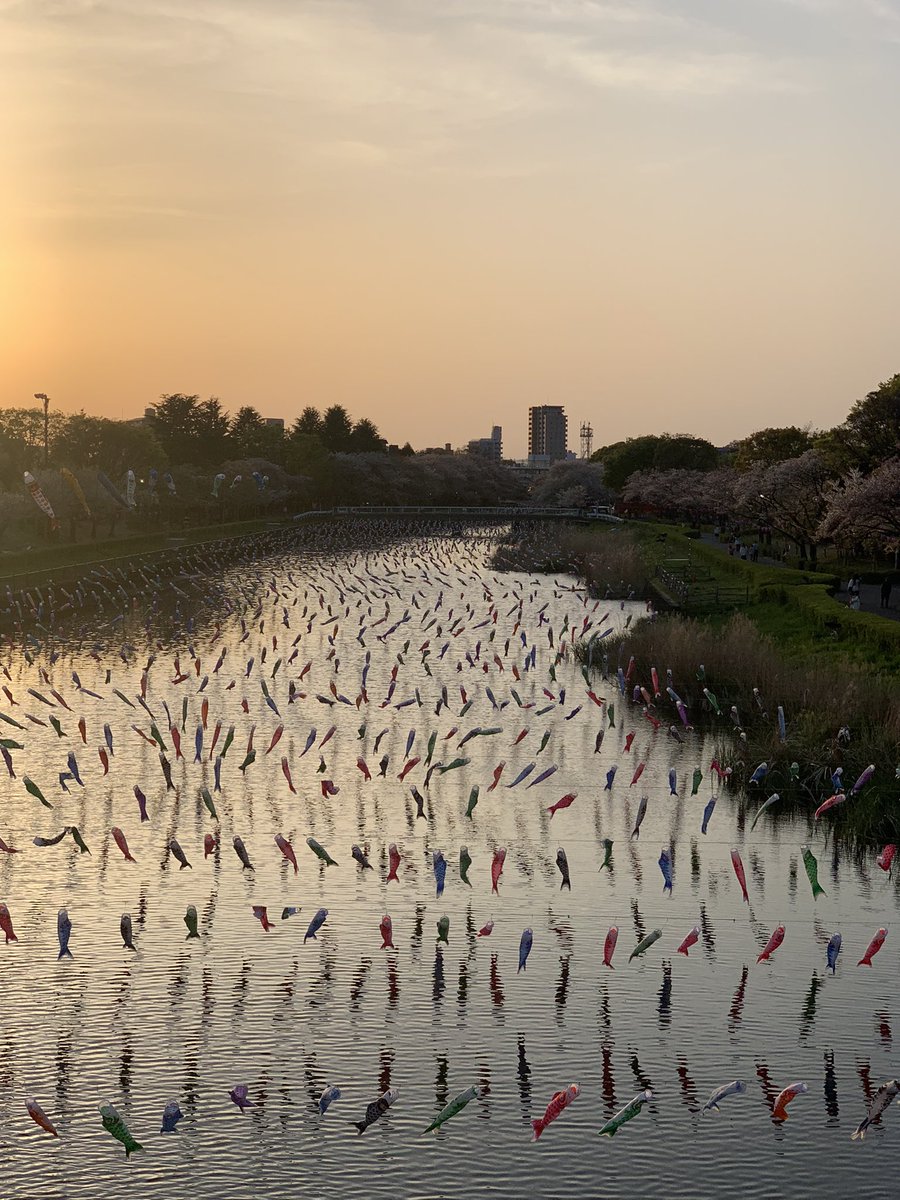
{"points": [[449, 512]]}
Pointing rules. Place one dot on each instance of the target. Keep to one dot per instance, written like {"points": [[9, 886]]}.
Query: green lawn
{"points": [[790, 606], [802, 639]]}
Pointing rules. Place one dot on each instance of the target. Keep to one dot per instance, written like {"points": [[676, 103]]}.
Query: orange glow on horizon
{"points": [[438, 220]]}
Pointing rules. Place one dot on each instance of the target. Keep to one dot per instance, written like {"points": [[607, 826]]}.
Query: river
{"points": [[187, 1020]]}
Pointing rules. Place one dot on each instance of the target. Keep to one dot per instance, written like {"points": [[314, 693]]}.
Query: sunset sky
{"points": [[679, 215]]}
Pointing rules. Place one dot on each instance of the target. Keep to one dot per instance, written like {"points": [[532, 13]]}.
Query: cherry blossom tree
{"points": [[864, 510], [572, 484], [791, 496], [691, 495]]}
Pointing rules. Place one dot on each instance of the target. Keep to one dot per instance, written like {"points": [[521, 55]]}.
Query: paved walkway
{"points": [[869, 593], [870, 600]]}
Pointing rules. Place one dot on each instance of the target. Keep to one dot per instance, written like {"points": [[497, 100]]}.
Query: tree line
{"points": [[192, 463], [191, 430], [839, 486], [179, 430]]}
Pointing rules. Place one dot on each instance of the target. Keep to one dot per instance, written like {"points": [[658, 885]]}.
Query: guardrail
{"points": [[701, 594], [717, 597]]}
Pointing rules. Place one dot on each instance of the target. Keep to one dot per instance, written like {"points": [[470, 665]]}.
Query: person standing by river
{"points": [[886, 586]]}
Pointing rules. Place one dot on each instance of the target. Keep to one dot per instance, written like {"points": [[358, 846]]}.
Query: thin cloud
{"points": [[664, 73], [877, 13]]}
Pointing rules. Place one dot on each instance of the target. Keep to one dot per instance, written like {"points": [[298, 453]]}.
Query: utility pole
{"points": [[46, 399]]}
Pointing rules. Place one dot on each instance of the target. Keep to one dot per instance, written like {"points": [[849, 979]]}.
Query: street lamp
{"points": [[46, 399], [765, 531]]}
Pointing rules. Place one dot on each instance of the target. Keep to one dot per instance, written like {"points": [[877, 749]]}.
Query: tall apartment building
{"points": [[547, 434]]}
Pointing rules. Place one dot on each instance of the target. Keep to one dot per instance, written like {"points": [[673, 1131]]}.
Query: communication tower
{"points": [[587, 439]]}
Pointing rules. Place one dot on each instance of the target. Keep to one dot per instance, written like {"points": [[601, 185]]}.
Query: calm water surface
{"points": [[187, 1020]]}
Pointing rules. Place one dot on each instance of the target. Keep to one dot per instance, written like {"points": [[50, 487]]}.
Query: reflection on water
{"points": [[831, 1096], [402, 677], [664, 1007]]}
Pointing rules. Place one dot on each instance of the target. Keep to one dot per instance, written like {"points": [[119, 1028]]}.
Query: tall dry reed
{"points": [[748, 680], [736, 658], [609, 558]]}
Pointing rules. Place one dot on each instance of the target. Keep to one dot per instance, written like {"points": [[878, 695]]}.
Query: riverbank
{"points": [[810, 729], [796, 608], [869, 592], [787, 680], [27, 568]]}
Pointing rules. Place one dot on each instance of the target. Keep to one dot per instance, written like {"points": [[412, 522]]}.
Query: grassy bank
{"points": [[732, 658], [48, 558], [789, 645], [794, 608], [733, 679], [610, 558], [661, 543]]}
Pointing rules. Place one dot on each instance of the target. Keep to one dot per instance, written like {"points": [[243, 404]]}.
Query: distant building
{"points": [[547, 434], [489, 447], [526, 469], [274, 423], [149, 414]]}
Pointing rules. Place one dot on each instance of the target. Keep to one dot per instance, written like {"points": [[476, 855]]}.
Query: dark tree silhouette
{"points": [[768, 446], [871, 433], [654, 452], [366, 439], [337, 429], [308, 423], [190, 429]]}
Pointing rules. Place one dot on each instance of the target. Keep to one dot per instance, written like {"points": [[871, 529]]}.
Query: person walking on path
{"points": [[886, 592], [864, 595]]}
